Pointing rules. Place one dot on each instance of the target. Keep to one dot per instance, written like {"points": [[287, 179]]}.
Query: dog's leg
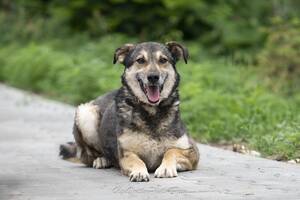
{"points": [[85, 132], [101, 163], [132, 166], [177, 160]]}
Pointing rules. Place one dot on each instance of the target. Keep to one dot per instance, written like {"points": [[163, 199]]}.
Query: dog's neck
{"points": [[139, 116]]}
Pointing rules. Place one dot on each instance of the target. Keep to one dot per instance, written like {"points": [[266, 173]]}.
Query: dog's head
{"points": [[150, 72]]}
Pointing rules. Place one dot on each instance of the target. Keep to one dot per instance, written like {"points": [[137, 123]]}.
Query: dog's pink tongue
{"points": [[153, 93]]}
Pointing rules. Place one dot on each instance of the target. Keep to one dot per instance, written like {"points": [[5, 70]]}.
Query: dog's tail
{"points": [[68, 152]]}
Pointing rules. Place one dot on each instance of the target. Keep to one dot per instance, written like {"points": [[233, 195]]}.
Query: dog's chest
{"points": [[150, 149]]}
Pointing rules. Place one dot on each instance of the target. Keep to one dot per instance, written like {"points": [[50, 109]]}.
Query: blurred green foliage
{"points": [[280, 58], [222, 26]]}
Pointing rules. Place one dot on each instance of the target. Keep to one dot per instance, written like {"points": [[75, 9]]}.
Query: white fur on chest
{"points": [[151, 149]]}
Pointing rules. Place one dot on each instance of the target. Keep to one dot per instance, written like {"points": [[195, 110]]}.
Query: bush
{"points": [[224, 27], [74, 76], [280, 58], [21, 27]]}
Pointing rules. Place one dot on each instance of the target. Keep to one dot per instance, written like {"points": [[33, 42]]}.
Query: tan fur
{"points": [[143, 54], [130, 76], [132, 166], [74, 160], [150, 149], [169, 83], [167, 67], [177, 160], [159, 55], [150, 109]]}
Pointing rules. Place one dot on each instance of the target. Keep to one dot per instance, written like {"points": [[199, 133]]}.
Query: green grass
{"points": [[220, 102]]}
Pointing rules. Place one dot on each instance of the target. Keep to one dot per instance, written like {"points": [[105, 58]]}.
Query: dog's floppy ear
{"points": [[178, 51], [122, 52]]}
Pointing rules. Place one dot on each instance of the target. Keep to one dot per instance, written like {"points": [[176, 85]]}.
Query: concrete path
{"points": [[31, 128]]}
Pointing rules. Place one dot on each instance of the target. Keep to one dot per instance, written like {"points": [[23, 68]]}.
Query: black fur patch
{"points": [[67, 150]]}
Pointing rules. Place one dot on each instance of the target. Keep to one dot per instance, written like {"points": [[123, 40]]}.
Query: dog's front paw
{"points": [[100, 163], [139, 176], [165, 171]]}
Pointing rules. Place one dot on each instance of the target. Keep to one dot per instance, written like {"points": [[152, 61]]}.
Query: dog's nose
{"points": [[153, 78]]}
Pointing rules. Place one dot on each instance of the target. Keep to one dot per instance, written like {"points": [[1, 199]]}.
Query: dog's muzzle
{"points": [[152, 89]]}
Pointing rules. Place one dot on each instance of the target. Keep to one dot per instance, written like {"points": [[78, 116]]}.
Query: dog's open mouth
{"points": [[152, 93]]}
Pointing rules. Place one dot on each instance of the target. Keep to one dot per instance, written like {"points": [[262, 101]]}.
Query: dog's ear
{"points": [[122, 52], [178, 51]]}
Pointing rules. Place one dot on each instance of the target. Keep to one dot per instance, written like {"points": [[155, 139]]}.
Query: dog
{"points": [[137, 128]]}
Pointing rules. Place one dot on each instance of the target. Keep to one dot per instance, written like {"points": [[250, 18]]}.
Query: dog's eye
{"points": [[141, 60], [163, 60]]}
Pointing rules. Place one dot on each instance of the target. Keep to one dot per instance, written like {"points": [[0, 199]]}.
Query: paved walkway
{"points": [[31, 128]]}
